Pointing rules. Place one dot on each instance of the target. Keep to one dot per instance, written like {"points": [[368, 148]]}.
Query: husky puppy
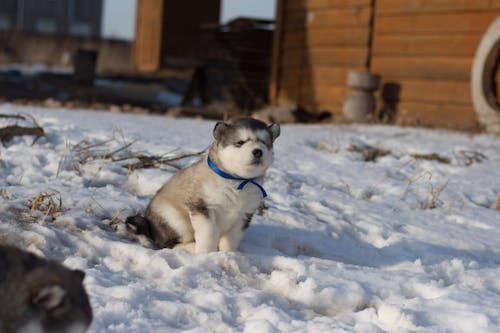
{"points": [[207, 206], [40, 296]]}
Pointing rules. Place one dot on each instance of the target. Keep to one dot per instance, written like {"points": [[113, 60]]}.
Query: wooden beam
{"points": [[341, 17], [337, 56], [276, 53], [398, 7], [148, 35], [435, 24], [326, 56], [327, 75], [429, 68], [297, 5], [353, 36], [437, 115], [457, 45], [451, 92], [323, 94]]}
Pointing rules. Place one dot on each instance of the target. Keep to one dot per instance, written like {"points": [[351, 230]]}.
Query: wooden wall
{"points": [[148, 35], [167, 29], [427, 47], [316, 43]]}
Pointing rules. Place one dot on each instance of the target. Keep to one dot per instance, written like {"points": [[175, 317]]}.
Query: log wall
{"points": [[427, 47], [316, 43], [424, 46]]}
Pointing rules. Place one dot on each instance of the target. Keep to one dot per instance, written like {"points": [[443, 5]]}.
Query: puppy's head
{"points": [[58, 299], [244, 147]]}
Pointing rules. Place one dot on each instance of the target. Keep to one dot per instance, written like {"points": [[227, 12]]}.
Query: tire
{"points": [[485, 62]]}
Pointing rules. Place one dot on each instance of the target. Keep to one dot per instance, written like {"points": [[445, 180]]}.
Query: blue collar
{"points": [[244, 182]]}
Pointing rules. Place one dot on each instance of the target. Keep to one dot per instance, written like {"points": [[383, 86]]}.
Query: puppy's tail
{"points": [[139, 225]]}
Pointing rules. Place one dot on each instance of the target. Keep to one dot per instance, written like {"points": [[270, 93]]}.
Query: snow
{"points": [[399, 244]]}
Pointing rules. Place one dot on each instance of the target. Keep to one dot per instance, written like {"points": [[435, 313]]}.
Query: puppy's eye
{"points": [[239, 143]]}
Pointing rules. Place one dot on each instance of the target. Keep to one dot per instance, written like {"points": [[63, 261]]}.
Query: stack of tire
{"points": [[485, 65]]}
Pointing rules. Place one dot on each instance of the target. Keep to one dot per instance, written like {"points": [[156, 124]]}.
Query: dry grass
{"points": [[45, 206], [88, 151], [496, 204], [4, 194], [413, 179], [431, 157], [117, 150], [466, 157], [48, 203], [433, 198], [21, 214], [325, 146], [157, 161], [117, 221], [470, 157], [370, 154]]}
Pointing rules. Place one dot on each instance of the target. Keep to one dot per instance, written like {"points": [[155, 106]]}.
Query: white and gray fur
{"points": [[40, 296], [200, 211]]}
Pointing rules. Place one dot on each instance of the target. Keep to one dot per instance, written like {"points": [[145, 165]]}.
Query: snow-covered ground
{"points": [[399, 244]]}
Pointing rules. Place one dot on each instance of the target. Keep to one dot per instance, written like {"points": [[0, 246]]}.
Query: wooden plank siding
{"points": [[460, 45], [427, 47], [148, 32], [276, 54], [316, 43], [434, 23], [411, 7]]}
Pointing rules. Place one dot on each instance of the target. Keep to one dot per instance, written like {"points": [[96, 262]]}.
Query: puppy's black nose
{"points": [[257, 153]]}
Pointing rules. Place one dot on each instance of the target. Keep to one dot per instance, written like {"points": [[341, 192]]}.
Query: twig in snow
{"points": [[146, 161], [471, 157], [9, 132], [431, 157], [412, 180], [12, 116], [87, 151], [113, 153], [432, 201]]}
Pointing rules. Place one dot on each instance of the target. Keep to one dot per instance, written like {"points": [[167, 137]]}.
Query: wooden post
{"points": [[276, 56], [148, 35]]}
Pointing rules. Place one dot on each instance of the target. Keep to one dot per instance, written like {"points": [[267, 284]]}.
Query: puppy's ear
{"points": [[219, 128], [49, 297], [79, 274], [275, 130]]}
